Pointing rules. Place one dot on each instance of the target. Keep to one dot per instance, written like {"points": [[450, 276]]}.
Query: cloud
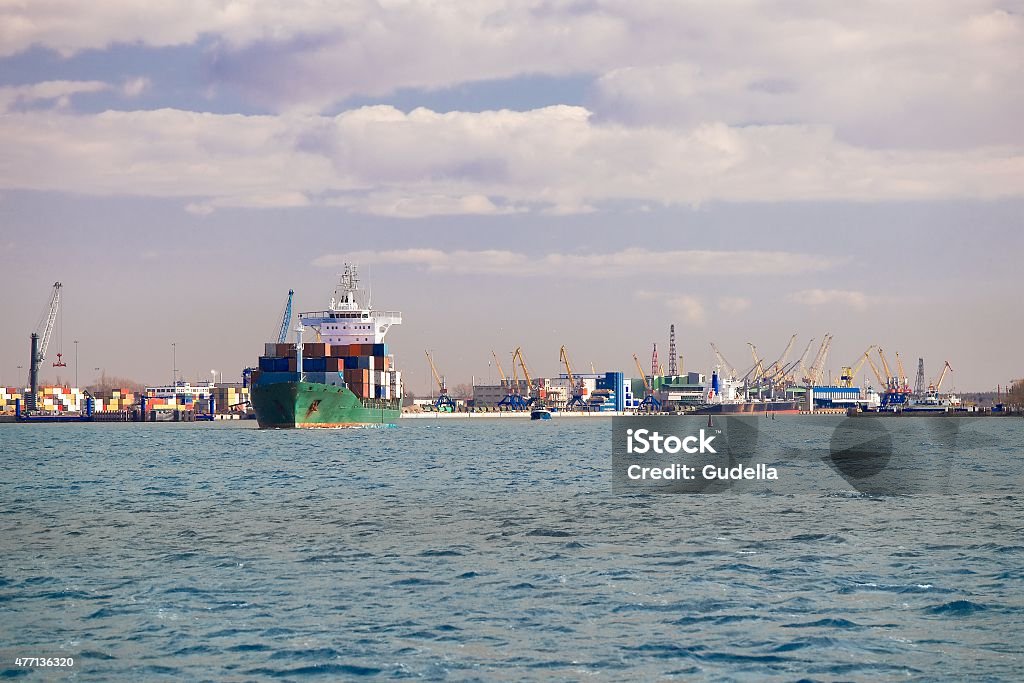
{"points": [[689, 307], [133, 87], [624, 263], [733, 304], [555, 159], [54, 93], [407, 205], [820, 297], [920, 73]]}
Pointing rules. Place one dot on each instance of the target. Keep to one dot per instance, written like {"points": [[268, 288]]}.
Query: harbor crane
{"points": [[501, 373], [513, 398], [849, 374], [286, 318], [937, 387], [40, 340], [902, 374], [575, 388], [801, 365], [758, 369], [723, 362], [530, 398], [650, 402], [775, 372], [889, 377], [878, 375], [814, 374], [444, 402]]}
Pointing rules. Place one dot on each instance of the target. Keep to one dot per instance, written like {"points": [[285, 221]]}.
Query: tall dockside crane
{"points": [[937, 387], [40, 340], [444, 402], [776, 372], [286, 319], [650, 402], [501, 373], [575, 389], [814, 374], [874, 369], [848, 377], [723, 362], [513, 399], [801, 365], [530, 398], [902, 374]]}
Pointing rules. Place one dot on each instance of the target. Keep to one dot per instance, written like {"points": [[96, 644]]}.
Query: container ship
{"points": [[346, 378], [726, 397]]}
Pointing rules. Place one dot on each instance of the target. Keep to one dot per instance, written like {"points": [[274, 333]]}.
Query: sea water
{"points": [[489, 550]]}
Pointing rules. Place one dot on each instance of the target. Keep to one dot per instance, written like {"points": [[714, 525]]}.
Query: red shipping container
{"points": [[313, 350]]}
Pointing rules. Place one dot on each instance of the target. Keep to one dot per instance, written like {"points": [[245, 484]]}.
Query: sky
{"points": [[531, 173]]}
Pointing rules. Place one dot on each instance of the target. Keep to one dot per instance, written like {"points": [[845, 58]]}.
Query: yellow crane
{"points": [[938, 383], [444, 402], [902, 375], [649, 402], [814, 374], [526, 373], [874, 369], [849, 374], [501, 373], [576, 391], [885, 366]]}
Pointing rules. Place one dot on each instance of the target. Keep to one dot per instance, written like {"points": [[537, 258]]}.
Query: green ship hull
{"points": [[290, 405]]}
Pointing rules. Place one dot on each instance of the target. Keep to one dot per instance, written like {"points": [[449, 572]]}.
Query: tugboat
{"points": [[540, 412], [345, 379]]}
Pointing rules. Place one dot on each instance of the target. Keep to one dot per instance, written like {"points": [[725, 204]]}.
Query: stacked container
{"points": [[365, 368]]}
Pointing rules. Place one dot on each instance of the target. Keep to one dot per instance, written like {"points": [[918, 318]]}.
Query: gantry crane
{"points": [[444, 402], [40, 340], [286, 319], [650, 402], [576, 390], [849, 373]]}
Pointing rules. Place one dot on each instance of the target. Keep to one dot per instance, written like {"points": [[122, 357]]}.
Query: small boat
{"points": [[540, 413]]}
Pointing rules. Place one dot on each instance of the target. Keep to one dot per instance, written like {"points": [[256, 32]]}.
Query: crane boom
{"points": [[776, 369], [721, 359], [758, 366], [501, 373], [437, 378], [526, 372], [899, 367], [51, 319], [874, 368], [286, 318], [849, 375], [802, 363], [942, 376], [564, 357], [885, 364], [819, 361], [647, 386]]}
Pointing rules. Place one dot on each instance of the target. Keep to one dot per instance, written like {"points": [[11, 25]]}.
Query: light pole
{"points": [[174, 365], [213, 376], [76, 364]]}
